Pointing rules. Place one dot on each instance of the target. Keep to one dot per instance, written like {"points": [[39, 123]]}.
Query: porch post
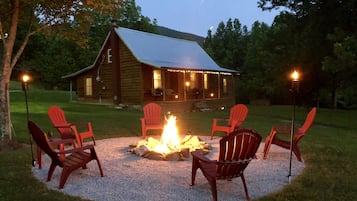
{"points": [[203, 85], [184, 86], [219, 86], [163, 74]]}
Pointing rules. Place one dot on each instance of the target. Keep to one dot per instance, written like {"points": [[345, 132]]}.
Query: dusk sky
{"points": [[198, 16]]}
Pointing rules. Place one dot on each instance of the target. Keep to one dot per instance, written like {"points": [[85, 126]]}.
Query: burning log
{"points": [[147, 149], [170, 146]]}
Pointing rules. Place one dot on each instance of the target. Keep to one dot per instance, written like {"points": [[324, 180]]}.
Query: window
{"points": [[157, 79], [109, 55], [225, 85], [193, 79], [205, 81], [88, 87]]}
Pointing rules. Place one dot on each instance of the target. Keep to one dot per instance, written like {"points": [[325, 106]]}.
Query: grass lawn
{"points": [[329, 149]]}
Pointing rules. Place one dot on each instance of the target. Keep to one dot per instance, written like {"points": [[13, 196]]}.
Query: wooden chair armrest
{"points": [[284, 130], [220, 122], [63, 126], [75, 150], [235, 162], [80, 123], [58, 141], [198, 155]]}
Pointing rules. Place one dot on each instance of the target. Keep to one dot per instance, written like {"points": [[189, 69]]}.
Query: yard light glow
{"points": [[26, 78], [187, 84], [295, 76]]}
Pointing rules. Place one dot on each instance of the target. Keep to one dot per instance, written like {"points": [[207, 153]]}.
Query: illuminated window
{"points": [[193, 79], [225, 85], [157, 79], [205, 81], [109, 55], [88, 87]]}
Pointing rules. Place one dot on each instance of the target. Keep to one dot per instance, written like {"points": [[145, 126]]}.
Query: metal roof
{"points": [[162, 52], [166, 52]]}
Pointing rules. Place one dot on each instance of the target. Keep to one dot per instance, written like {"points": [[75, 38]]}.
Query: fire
{"points": [[170, 140], [170, 146]]}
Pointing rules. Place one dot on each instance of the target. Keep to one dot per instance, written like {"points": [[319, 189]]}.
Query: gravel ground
{"points": [[130, 178]]}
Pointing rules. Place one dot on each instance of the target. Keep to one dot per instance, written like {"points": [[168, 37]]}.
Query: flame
{"points": [[170, 140]]}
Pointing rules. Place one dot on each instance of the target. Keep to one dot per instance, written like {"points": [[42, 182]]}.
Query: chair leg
{"points": [[50, 171], [95, 156], [194, 171], [143, 133], [297, 152], [267, 145], [39, 157], [64, 176], [100, 168], [212, 134], [245, 187], [213, 185]]}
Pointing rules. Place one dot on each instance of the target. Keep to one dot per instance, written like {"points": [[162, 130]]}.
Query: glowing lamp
{"points": [[295, 76]]}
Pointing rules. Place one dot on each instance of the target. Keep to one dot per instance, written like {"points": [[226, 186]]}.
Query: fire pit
{"points": [[170, 146]]}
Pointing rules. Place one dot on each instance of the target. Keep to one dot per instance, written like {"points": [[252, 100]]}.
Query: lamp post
{"points": [[24, 83], [294, 90]]}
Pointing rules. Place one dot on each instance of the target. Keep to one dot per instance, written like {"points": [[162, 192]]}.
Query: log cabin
{"points": [[135, 67]]}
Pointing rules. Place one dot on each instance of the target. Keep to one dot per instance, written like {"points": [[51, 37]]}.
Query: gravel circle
{"points": [[128, 177]]}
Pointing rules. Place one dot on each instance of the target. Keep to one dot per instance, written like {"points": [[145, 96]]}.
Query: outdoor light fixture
{"points": [[187, 84], [25, 79], [294, 90], [24, 83]]}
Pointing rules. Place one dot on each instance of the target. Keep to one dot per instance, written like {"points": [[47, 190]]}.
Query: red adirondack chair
{"points": [[273, 137], [152, 119], [235, 152], [237, 116], [67, 129], [68, 160]]}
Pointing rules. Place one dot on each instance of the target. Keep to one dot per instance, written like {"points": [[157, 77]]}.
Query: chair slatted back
{"points": [[236, 151], [58, 119], [42, 141], [152, 113], [238, 113], [309, 120]]}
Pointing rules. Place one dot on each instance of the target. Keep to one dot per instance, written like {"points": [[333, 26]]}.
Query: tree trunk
{"points": [[6, 69], [5, 122]]}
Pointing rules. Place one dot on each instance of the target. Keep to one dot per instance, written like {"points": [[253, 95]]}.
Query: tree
{"points": [[256, 70], [227, 45], [68, 18], [313, 49], [340, 66], [45, 57]]}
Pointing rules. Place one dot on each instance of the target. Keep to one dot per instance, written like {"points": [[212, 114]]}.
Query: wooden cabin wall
{"points": [[131, 76], [147, 85], [105, 85], [80, 87]]}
